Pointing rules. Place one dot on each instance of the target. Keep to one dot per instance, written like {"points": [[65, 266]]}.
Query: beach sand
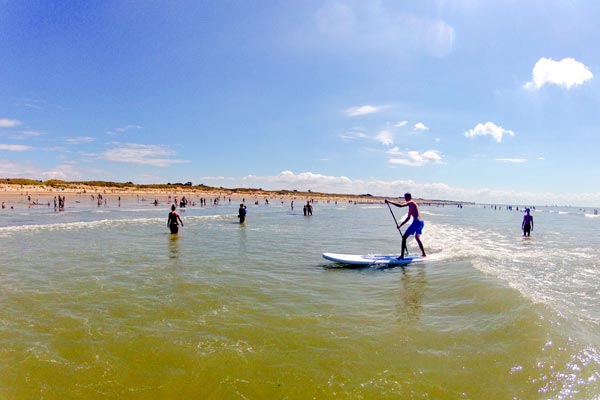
{"points": [[24, 196]]}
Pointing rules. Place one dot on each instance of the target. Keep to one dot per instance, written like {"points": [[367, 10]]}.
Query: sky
{"points": [[492, 102]]}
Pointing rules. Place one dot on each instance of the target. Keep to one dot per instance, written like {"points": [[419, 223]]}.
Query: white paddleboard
{"points": [[371, 259]]}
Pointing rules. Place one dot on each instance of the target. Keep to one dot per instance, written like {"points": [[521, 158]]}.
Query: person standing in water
{"points": [[172, 221], [242, 213], [415, 228], [527, 225]]}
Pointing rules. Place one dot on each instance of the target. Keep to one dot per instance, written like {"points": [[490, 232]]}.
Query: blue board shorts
{"points": [[415, 227]]}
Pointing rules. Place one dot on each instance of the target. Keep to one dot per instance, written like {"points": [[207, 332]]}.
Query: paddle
{"points": [[399, 230]]}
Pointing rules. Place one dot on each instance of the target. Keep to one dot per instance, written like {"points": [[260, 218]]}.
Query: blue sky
{"points": [[467, 100]]}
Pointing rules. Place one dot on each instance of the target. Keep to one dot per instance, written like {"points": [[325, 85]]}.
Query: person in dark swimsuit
{"points": [[242, 213], [172, 222], [527, 225]]}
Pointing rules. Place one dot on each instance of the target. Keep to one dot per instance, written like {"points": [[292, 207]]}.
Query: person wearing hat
{"points": [[527, 225], [415, 228]]}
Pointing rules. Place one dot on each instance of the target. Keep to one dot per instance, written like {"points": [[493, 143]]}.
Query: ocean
{"points": [[102, 302]]}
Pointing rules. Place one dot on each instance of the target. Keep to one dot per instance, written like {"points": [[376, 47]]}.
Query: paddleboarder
{"points": [[172, 221], [415, 228]]}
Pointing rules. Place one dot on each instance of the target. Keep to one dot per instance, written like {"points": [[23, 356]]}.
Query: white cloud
{"points": [[80, 139], [29, 134], [385, 137], [401, 124], [354, 135], [14, 147], [142, 154], [289, 180], [9, 123], [489, 129], [512, 160], [567, 73], [414, 158], [123, 129], [420, 127], [368, 27], [36, 104], [63, 172], [21, 135], [362, 110]]}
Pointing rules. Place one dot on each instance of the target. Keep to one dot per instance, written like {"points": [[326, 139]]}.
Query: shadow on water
{"points": [[173, 245], [413, 288]]}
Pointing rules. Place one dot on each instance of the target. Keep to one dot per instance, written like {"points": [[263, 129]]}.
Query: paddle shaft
{"points": [[396, 221]]}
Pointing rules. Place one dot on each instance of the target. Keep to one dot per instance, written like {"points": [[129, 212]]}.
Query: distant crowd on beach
{"points": [[508, 207]]}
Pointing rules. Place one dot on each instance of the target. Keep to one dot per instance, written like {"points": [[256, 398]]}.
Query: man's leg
{"points": [[403, 245], [418, 239]]}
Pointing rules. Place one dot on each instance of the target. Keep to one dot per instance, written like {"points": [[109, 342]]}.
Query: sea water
{"points": [[105, 303]]}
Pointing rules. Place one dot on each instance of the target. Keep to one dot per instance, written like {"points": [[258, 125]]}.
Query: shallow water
{"points": [[103, 302]]}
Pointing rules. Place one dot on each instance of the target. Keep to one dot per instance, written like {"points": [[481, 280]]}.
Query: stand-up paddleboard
{"points": [[370, 259]]}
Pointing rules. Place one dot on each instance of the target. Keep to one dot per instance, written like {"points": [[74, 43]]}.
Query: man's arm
{"points": [[405, 221], [396, 204]]}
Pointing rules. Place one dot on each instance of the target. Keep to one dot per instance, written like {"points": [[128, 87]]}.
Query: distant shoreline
{"points": [[12, 190]]}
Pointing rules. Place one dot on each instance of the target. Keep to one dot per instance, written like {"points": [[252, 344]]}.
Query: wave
{"points": [[551, 272], [425, 212], [77, 225]]}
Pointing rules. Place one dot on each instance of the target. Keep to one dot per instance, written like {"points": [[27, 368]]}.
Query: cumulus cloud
{"points": [[489, 129], [362, 110], [567, 73], [512, 160], [24, 169], [14, 147], [63, 172], [316, 182], [142, 154], [9, 123], [385, 137], [420, 127], [414, 158]]}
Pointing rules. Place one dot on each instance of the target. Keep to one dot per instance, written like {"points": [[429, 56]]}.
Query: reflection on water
{"points": [[173, 246], [412, 291]]}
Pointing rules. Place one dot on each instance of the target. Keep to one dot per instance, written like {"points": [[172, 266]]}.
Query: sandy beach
{"points": [[27, 195]]}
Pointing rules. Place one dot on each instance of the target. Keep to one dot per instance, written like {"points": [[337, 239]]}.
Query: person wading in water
{"points": [[172, 221]]}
